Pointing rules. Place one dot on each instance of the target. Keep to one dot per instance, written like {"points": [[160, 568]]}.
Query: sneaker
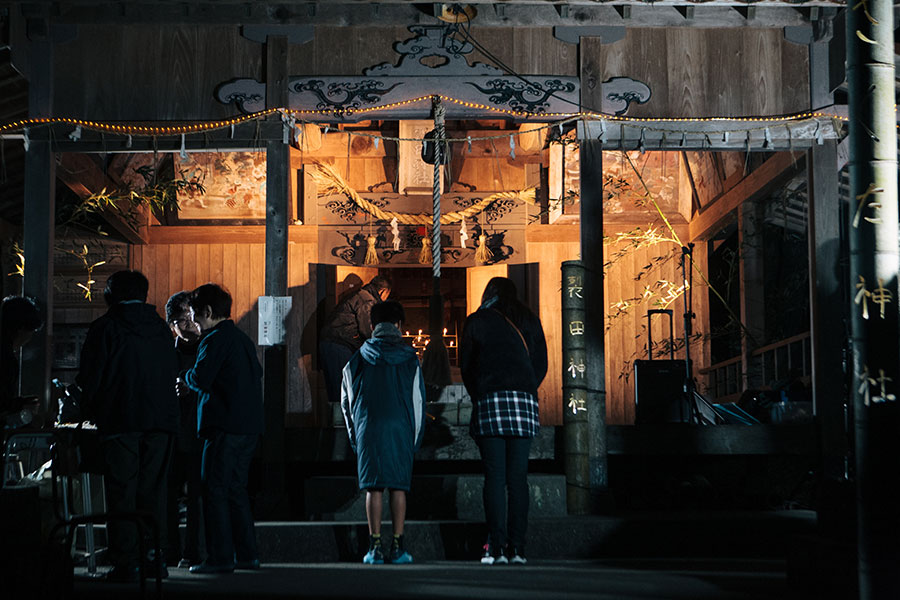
{"points": [[375, 556], [517, 556], [122, 574], [493, 556], [399, 556]]}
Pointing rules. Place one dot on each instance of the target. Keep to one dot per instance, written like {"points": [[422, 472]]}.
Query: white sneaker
{"points": [[489, 558]]}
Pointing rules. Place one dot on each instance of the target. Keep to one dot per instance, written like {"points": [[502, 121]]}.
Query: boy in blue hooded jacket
{"points": [[383, 401]]}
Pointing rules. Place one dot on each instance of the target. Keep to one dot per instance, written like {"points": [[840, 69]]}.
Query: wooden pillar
{"points": [[277, 215], [750, 252], [591, 158], [828, 310], [36, 61], [874, 316], [39, 232]]}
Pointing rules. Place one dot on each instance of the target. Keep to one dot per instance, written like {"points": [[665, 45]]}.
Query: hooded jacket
{"points": [[127, 373], [383, 401]]}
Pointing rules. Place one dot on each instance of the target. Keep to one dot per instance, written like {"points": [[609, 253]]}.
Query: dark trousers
{"points": [[505, 462], [184, 479], [333, 357], [230, 534], [136, 473]]}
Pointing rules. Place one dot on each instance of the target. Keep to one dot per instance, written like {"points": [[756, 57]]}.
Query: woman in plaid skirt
{"points": [[503, 359]]}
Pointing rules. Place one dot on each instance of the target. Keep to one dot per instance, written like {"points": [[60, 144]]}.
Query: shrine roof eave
{"points": [[718, 134]]}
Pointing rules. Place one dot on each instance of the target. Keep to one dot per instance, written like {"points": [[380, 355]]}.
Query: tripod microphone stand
{"points": [[687, 276]]}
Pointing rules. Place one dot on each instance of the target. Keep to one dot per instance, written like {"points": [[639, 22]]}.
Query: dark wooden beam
{"points": [[85, 177], [591, 225], [278, 173], [214, 234], [721, 211]]}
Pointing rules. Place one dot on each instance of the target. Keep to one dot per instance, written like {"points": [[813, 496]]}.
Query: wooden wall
{"points": [[151, 72], [549, 246], [170, 72], [626, 333], [702, 72], [240, 268]]}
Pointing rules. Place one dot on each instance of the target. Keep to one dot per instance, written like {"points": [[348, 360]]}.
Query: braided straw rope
{"points": [[330, 182]]}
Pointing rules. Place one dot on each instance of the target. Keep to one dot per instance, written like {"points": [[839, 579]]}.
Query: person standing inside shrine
{"points": [[184, 474], [228, 379], [126, 374], [347, 327], [383, 401], [503, 359]]}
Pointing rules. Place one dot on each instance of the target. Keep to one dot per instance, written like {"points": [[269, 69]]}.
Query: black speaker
{"points": [[659, 392]]}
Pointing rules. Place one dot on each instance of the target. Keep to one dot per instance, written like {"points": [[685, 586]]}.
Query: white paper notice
{"points": [[273, 311]]}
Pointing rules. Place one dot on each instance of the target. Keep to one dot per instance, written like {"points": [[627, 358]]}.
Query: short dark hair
{"points": [[380, 282], [19, 313], [387, 312], [177, 304], [215, 297], [123, 286]]}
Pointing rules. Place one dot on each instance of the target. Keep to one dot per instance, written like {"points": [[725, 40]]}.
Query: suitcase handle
{"points": [[660, 311]]}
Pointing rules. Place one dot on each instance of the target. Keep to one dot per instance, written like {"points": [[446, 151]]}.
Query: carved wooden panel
{"points": [[344, 229]]}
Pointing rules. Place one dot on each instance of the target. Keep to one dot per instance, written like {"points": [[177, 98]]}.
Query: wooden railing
{"points": [[769, 364]]}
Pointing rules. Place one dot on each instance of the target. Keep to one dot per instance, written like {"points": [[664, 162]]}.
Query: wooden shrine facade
{"points": [[173, 73]]}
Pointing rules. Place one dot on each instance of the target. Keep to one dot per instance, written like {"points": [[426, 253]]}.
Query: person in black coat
{"points": [[347, 327], [503, 359], [228, 378], [126, 374], [19, 319], [184, 474]]}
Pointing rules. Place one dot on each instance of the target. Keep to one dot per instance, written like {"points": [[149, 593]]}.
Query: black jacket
{"points": [[493, 357], [228, 378], [187, 430], [351, 323], [128, 370]]}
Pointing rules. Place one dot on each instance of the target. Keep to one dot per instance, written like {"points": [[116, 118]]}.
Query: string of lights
{"points": [[305, 116]]}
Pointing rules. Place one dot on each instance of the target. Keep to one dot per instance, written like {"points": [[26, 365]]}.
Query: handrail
{"points": [[720, 365], [779, 344], [759, 351]]}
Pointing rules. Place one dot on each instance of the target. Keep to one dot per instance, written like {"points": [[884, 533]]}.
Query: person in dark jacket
{"points": [[228, 378], [347, 327], [19, 319], [184, 473], [383, 401], [503, 359], [126, 374]]}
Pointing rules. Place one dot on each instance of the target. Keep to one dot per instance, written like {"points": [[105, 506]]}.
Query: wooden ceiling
{"points": [[512, 13]]}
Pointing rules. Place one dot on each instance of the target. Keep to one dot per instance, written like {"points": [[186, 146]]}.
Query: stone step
{"points": [[737, 535], [454, 496]]}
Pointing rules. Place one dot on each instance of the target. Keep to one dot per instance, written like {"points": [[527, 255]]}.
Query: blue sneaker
{"points": [[401, 557], [398, 555], [375, 556]]}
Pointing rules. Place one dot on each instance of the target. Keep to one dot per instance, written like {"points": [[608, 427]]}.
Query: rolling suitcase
{"points": [[659, 384]]}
